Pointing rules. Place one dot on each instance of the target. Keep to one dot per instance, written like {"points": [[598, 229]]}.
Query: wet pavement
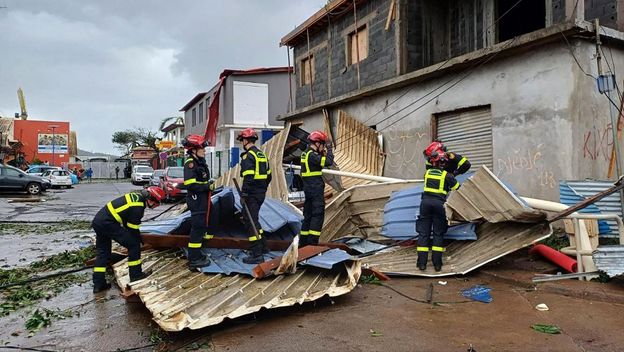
{"points": [[371, 318]]}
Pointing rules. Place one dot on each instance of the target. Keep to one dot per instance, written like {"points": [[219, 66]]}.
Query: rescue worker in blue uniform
{"points": [[256, 174], [119, 220], [316, 157], [432, 218], [456, 164], [198, 186]]}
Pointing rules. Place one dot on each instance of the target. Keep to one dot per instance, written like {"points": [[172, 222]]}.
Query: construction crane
{"points": [[22, 103]]}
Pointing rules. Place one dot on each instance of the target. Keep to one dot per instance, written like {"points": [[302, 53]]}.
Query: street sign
{"points": [[163, 156], [165, 144]]}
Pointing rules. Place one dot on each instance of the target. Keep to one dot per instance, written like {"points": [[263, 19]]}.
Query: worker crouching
{"points": [[199, 187], [256, 175], [432, 218], [119, 220], [316, 157]]}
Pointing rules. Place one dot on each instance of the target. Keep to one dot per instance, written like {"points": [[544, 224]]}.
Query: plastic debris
{"points": [[375, 333], [443, 283], [547, 329], [542, 307], [478, 293]]}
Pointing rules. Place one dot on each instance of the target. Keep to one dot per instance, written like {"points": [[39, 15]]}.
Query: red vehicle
{"points": [[172, 182]]}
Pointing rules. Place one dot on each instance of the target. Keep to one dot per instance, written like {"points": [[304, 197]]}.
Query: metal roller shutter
{"points": [[469, 133]]}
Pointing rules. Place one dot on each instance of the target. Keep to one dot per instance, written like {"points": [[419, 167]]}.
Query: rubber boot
{"points": [[265, 246], [255, 257], [313, 240], [99, 282], [303, 240], [422, 260], [137, 274], [436, 259], [199, 262]]}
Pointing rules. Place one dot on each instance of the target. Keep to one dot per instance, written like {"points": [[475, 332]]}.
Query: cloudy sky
{"points": [[109, 65]]}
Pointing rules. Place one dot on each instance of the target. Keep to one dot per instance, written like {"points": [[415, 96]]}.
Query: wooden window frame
{"points": [[363, 51], [309, 60]]}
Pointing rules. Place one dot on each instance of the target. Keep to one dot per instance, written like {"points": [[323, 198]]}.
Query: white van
{"points": [[141, 174]]}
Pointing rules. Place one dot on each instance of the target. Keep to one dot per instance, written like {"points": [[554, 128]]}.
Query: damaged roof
{"points": [[610, 259], [179, 298]]}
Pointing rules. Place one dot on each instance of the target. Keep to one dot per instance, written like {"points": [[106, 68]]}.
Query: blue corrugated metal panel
{"points": [[230, 261], [360, 244], [402, 209], [569, 197], [328, 259], [610, 204], [278, 220], [610, 259]]}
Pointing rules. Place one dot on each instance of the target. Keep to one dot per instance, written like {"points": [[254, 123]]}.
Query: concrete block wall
{"points": [[333, 76], [604, 10]]}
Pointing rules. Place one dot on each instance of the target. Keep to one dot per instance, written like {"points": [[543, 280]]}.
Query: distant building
{"points": [[171, 143], [142, 155], [250, 98], [46, 141]]}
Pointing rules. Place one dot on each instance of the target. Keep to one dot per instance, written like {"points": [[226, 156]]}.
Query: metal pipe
{"points": [[356, 175]]}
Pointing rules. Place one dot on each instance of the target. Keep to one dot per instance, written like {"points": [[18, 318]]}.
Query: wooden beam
{"points": [[391, 14], [264, 269]]}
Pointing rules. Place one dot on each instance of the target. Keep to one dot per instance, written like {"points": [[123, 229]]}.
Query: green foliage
{"points": [[65, 259], [131, 138], [43, 317], [42, 229], [546, 329], [370, 279], [556, 241]]}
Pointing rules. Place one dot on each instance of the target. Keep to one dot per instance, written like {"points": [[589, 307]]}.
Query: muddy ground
{"points": [[371, 318]]}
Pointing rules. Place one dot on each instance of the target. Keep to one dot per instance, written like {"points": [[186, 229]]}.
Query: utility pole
{"points": [[53, 128], [606, 85]]}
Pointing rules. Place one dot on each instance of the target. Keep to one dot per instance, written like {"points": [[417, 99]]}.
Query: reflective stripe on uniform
{"points": [[208, 237], [305, 172], [134, 262], [188, 160], [461, 162], [99, 269], [132, 226], [422, 249], [431, 174], [194, 245], [437, 249], [323, 160], [455, 187], [131, 201], [253, 238], [315, 233], [304, 233], [259, 158], [194, 180]]}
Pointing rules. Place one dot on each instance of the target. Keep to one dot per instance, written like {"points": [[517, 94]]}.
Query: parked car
{"points": [[38, 170], [58, 178], [14, 179], [141, 174], [173, 182], [156, 177]]}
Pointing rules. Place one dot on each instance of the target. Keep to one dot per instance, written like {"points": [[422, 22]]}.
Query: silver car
{"points": [[156, 177]]}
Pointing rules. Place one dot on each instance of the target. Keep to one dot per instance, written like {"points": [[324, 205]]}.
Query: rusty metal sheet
{"points": [[179, 298], [483, 197], [274, 149]]}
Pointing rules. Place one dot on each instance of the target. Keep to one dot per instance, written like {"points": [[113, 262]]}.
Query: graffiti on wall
{"points": [[597, 143], [404, 152], [528, 163]]}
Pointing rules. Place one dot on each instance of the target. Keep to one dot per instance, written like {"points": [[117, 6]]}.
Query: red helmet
{"points": [[434, 149], [156, 194], [318, 136], [194, 141], [247, 133]]}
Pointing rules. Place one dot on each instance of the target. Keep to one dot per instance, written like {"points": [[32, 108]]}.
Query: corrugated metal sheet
{"points": [[461, 257], [179, 298], [485, 197], [468, 131], [357, 150], [569, 197], [610, 204], [610, 259], [402, 209], [328, 259], [274, 149]]}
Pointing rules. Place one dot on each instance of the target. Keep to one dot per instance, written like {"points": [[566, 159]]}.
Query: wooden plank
{"points": [[264, 269], [390, 15]]}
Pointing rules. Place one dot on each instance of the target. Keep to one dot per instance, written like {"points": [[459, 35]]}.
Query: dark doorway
{"points": [[524, 17]]}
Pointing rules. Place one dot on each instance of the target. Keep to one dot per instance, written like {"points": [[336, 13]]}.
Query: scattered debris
{"points": [[443, 283], [546, 329], [375, 333], [560, 276], [478, 293], [43, 317], [542, 307], [610, 260]]}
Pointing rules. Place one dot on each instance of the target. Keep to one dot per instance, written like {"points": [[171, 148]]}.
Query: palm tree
{"points": [[166, 121]]}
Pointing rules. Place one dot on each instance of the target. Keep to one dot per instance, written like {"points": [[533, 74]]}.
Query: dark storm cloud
{"points": [[108, 65]]}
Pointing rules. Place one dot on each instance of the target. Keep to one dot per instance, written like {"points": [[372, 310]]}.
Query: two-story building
{"points": [[241, 99], [509, 84], [171, 143]]}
